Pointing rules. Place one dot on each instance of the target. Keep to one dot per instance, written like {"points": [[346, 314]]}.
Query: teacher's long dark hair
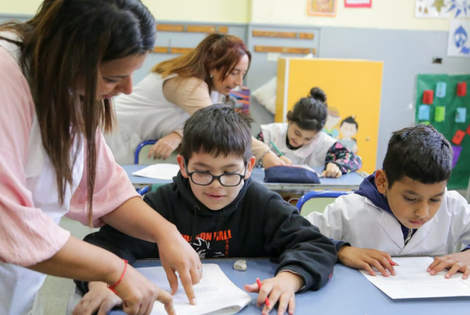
{"points": [[62, 47]]}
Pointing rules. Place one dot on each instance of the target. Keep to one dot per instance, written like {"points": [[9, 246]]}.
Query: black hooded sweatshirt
{"points": [[258, 223]]}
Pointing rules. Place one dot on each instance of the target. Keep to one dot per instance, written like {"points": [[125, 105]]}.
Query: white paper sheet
{"points": [[413, 281], [215, 293], [159, 171]]}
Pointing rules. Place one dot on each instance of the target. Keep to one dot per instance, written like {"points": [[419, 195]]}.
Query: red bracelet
{"points": [[113, 287]]}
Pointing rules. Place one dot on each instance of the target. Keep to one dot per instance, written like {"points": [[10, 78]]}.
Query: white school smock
{"points": [[147, 115], [355, 219], [29, 206], [313, 154]]}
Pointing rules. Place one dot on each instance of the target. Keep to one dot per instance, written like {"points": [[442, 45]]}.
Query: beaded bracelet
{"points": [[260, 161], [113, 287]]}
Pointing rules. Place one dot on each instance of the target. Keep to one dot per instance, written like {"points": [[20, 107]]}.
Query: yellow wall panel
{"points": [[353, 88]]}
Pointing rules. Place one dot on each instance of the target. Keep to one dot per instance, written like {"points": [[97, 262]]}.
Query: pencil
{"points": [[259, 288], [277, 149], [393, 263]]}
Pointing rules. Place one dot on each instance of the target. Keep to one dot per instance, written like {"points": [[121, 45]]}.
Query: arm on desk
{"points": [[122, 245], [299, 246], [97, 296], [345, 159]]}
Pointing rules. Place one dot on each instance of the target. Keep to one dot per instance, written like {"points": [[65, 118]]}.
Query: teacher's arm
{"points": [[29, 237], [115, 202]]}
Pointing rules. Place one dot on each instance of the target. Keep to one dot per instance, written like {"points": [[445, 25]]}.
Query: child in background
{"points": [[302, 141], [403, 209], [213, 194]]}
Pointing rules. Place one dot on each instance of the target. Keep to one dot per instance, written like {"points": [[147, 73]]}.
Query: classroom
{"points": [[354, 105]]}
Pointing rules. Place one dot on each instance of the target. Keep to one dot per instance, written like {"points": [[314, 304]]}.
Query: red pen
{"points": [[393, 263], [259, 288]]}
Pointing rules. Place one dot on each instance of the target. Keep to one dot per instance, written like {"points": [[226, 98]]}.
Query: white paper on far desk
{"points": [[215, 293], [413, 281], [159, 171]]}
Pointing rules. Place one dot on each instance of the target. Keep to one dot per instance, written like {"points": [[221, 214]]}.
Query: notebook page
{"points": [[413, 281], [159, 171], [215, 293]]}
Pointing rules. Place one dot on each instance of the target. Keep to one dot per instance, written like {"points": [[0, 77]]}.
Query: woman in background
{"points": [[174, 90]]}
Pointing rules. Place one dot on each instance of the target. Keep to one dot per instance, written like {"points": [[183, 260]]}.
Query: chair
{"points": [[150, 188], [319, 194], [141, 154], [143, 190], [139, 148]]}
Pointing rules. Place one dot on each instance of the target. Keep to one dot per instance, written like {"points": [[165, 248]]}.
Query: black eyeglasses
{"points": [[206, 178]]}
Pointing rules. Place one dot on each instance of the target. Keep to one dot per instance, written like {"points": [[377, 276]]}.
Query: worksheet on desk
{"points": [[413, 281], [159, 171], [215, 293]]}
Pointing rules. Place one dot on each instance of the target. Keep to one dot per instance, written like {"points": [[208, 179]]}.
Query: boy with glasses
{"points": [[221, 212]]}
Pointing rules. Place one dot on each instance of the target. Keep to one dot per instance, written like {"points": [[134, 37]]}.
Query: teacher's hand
{"points": [[165, 146], [178, 256], [271, 159], [138, 294]]}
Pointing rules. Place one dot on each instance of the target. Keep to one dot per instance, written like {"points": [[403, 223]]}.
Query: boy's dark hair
{"points": [[310, 113], [217, 130], [350, 120], [421, 153]]}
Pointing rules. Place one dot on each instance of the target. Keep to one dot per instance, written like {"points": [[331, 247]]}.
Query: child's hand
{"points": [[99, 298], [280, 289], [286, 160], [331, 170], [271, 159], [165, 146], [456, 262], [365, 258]]}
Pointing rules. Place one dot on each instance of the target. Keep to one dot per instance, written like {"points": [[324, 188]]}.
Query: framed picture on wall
{"points": [[322, 7], [358, 3]]}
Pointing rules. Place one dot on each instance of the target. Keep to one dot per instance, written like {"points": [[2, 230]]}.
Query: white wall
{"points": [[384, 14], [228, 11], [19, 6]]}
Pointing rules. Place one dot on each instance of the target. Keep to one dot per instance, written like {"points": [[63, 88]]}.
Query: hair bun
{"points": [[318, 94]]}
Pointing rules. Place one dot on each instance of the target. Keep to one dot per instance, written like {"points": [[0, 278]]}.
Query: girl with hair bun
{"points": [[302, 141]]}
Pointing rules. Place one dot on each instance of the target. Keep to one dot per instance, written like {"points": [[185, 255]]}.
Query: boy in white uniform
{"points": [[403, 209]]}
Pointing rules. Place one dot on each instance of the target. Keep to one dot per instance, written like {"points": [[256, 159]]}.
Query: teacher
{"points": [[174, 90], [58, 72]]}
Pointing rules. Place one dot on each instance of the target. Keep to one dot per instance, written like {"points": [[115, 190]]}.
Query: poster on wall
{"points": [[322, 7], [357, 3], [449, 112], [442, 8], [458, 43]]}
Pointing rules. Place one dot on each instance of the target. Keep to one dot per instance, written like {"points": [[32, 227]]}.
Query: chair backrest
{"points": [[143, 190], [142, 151], [139, 148], [320, 194]]}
